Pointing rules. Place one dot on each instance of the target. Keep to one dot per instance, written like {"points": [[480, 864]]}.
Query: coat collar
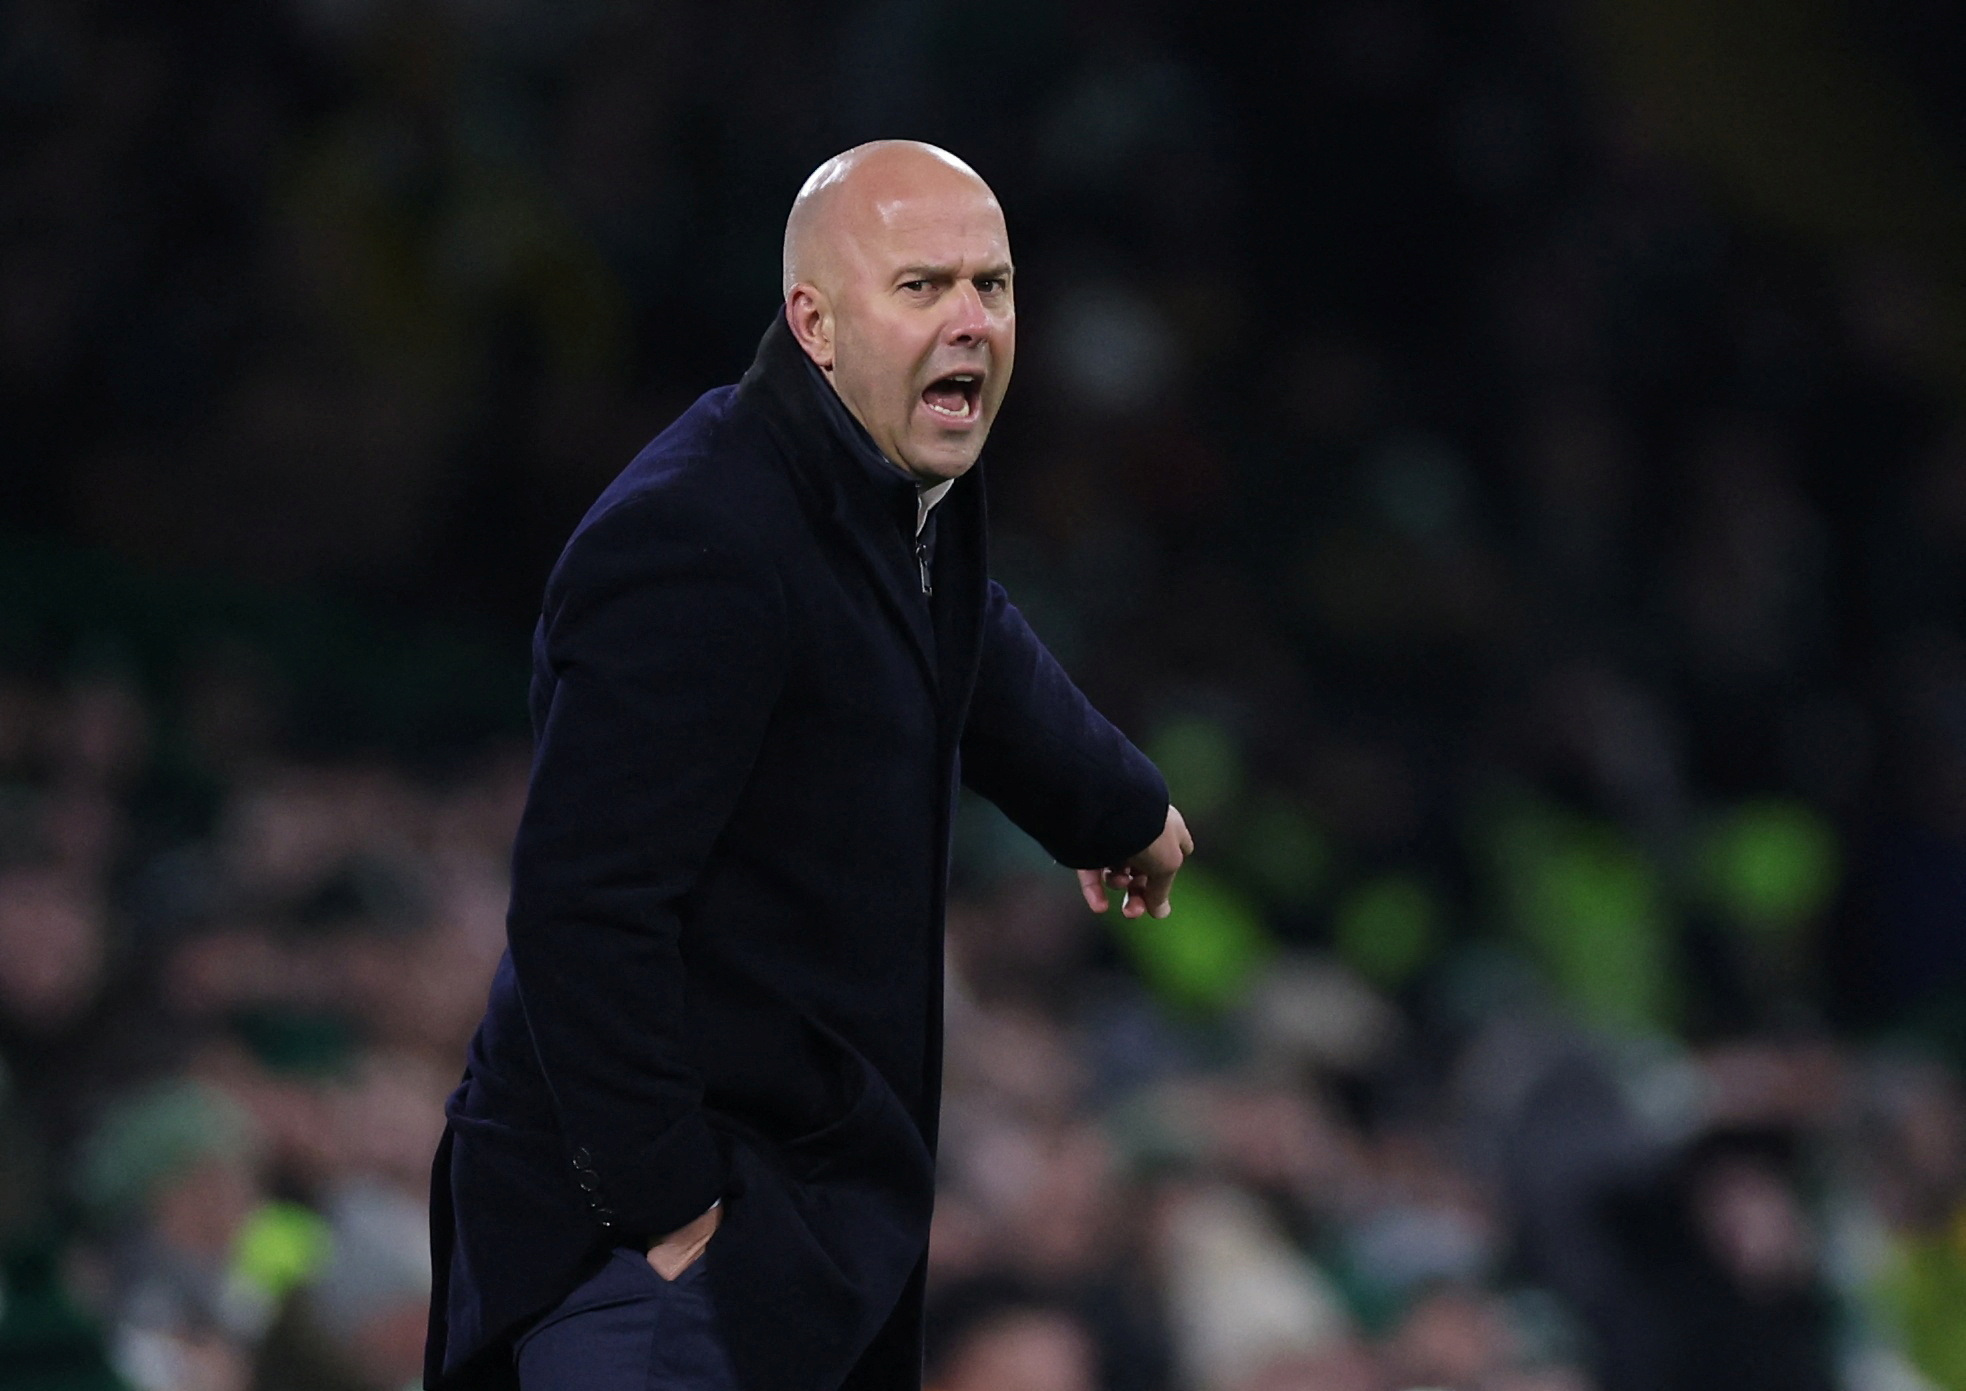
{"points": [[833, 457], [815, 427], [851, 433], [873, 506]]}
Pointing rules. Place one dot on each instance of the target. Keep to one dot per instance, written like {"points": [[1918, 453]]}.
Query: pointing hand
{"points": [[1144, 879]]}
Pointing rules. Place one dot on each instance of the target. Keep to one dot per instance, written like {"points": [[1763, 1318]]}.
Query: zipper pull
{"points": [[921, 562]]}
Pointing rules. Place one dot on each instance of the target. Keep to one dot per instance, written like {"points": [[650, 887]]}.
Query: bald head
{"points": [[849, 195], [897, 282]]}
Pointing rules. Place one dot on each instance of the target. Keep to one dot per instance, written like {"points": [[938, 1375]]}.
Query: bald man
{"points": [[694, 1144]]}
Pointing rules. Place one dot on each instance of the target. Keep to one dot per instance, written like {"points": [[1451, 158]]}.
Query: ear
{"points": [[810, 318]]}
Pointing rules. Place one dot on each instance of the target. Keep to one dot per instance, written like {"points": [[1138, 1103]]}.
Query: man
{"points": [[694, 1146]]}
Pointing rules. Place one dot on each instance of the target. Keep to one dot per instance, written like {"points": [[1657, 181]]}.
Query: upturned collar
{"points": [[817, 431]]}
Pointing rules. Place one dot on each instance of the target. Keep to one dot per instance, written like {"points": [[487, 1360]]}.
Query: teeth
{"points": [[942, 410]]}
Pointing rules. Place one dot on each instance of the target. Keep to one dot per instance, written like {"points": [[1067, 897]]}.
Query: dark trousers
{"points": [[627, 1329]]}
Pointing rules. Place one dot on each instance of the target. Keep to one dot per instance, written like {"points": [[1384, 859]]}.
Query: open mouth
{"points": [[956, 396]]}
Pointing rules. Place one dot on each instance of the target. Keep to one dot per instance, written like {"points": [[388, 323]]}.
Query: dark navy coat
{"points": [[724, 977]]}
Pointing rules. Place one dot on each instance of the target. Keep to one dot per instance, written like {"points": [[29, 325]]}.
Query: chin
{"points": [[948, 468], [935, 465]]}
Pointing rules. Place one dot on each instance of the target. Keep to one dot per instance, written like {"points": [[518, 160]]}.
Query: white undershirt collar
{"points": [[926, 498]]}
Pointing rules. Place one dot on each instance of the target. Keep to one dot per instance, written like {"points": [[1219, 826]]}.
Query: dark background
{"points": [[1506, 461]]}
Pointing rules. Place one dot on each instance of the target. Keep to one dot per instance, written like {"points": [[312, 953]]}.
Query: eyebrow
{"points": [[1000, 271]]}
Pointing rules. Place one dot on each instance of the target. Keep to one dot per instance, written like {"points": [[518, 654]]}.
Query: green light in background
{"points": [[1281, 851], [1771, 866], [1387, 929], [1591, 907], [281, 1247], [1201, 957]]}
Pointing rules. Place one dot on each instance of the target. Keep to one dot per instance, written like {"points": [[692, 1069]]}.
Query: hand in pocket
{"points": [[682, 1248]]}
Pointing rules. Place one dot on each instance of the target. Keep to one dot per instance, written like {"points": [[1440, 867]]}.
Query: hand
{"points": [[1145, 878], [679, 1250]]}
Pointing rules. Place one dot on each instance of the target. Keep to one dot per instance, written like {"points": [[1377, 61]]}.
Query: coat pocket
{"points": [[864, 1091]]}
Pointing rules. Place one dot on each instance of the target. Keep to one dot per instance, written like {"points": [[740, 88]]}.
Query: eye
{"points": [[914, 287]]}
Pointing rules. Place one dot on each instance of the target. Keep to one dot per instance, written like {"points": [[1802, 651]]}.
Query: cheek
{"points": [[893, 367]]}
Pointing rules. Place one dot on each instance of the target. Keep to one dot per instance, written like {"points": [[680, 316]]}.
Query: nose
{"points": [[969, 321]]}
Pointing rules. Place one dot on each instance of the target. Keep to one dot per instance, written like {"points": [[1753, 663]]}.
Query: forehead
{"points": [[944, 225]]}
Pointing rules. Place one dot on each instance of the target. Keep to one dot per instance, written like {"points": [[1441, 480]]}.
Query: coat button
{"points": [[589, 1180], [606, 1214], [582, 1159]]}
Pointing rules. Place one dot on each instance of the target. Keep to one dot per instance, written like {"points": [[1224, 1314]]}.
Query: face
{"points": [[1037, 1350], [917, 327]]}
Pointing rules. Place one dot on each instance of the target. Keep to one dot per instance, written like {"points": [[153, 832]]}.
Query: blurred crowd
{"points": [[1536, 563]]}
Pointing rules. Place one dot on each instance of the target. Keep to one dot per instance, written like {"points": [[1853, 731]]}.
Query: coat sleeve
{"points": [[662, 637], [1034, 745]]}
